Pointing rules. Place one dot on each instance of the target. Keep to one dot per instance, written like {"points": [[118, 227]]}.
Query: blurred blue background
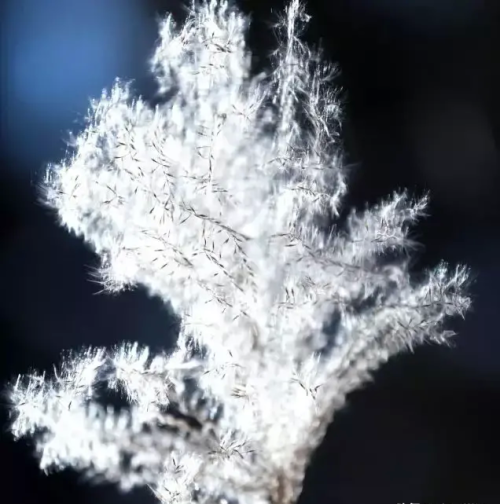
{"points": [[57, 55], [422, 111]]}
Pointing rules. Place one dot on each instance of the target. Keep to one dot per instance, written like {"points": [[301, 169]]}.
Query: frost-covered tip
{"points": [[221, 202]]}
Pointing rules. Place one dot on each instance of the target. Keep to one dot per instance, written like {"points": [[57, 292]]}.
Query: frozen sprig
{"points": [[219, 201]]}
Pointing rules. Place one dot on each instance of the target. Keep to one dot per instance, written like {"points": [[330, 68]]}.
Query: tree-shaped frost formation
{"points": [[220, 201]]}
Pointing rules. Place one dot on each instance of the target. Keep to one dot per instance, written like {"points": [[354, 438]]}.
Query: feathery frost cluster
{"points": [[218, 201]]}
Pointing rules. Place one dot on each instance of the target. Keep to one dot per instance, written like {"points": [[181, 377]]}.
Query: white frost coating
{"points": [[217, 201]]}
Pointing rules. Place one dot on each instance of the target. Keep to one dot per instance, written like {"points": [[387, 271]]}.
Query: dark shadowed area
{"points": [[420, 82]]}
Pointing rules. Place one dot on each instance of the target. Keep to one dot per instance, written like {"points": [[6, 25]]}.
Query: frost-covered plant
{"points": [[219, 201]]}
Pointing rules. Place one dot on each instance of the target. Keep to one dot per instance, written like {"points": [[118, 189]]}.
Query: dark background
{"points": [[420, 82]]}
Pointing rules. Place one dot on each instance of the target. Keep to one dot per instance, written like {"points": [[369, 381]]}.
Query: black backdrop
{"points": [[420, 81]]}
